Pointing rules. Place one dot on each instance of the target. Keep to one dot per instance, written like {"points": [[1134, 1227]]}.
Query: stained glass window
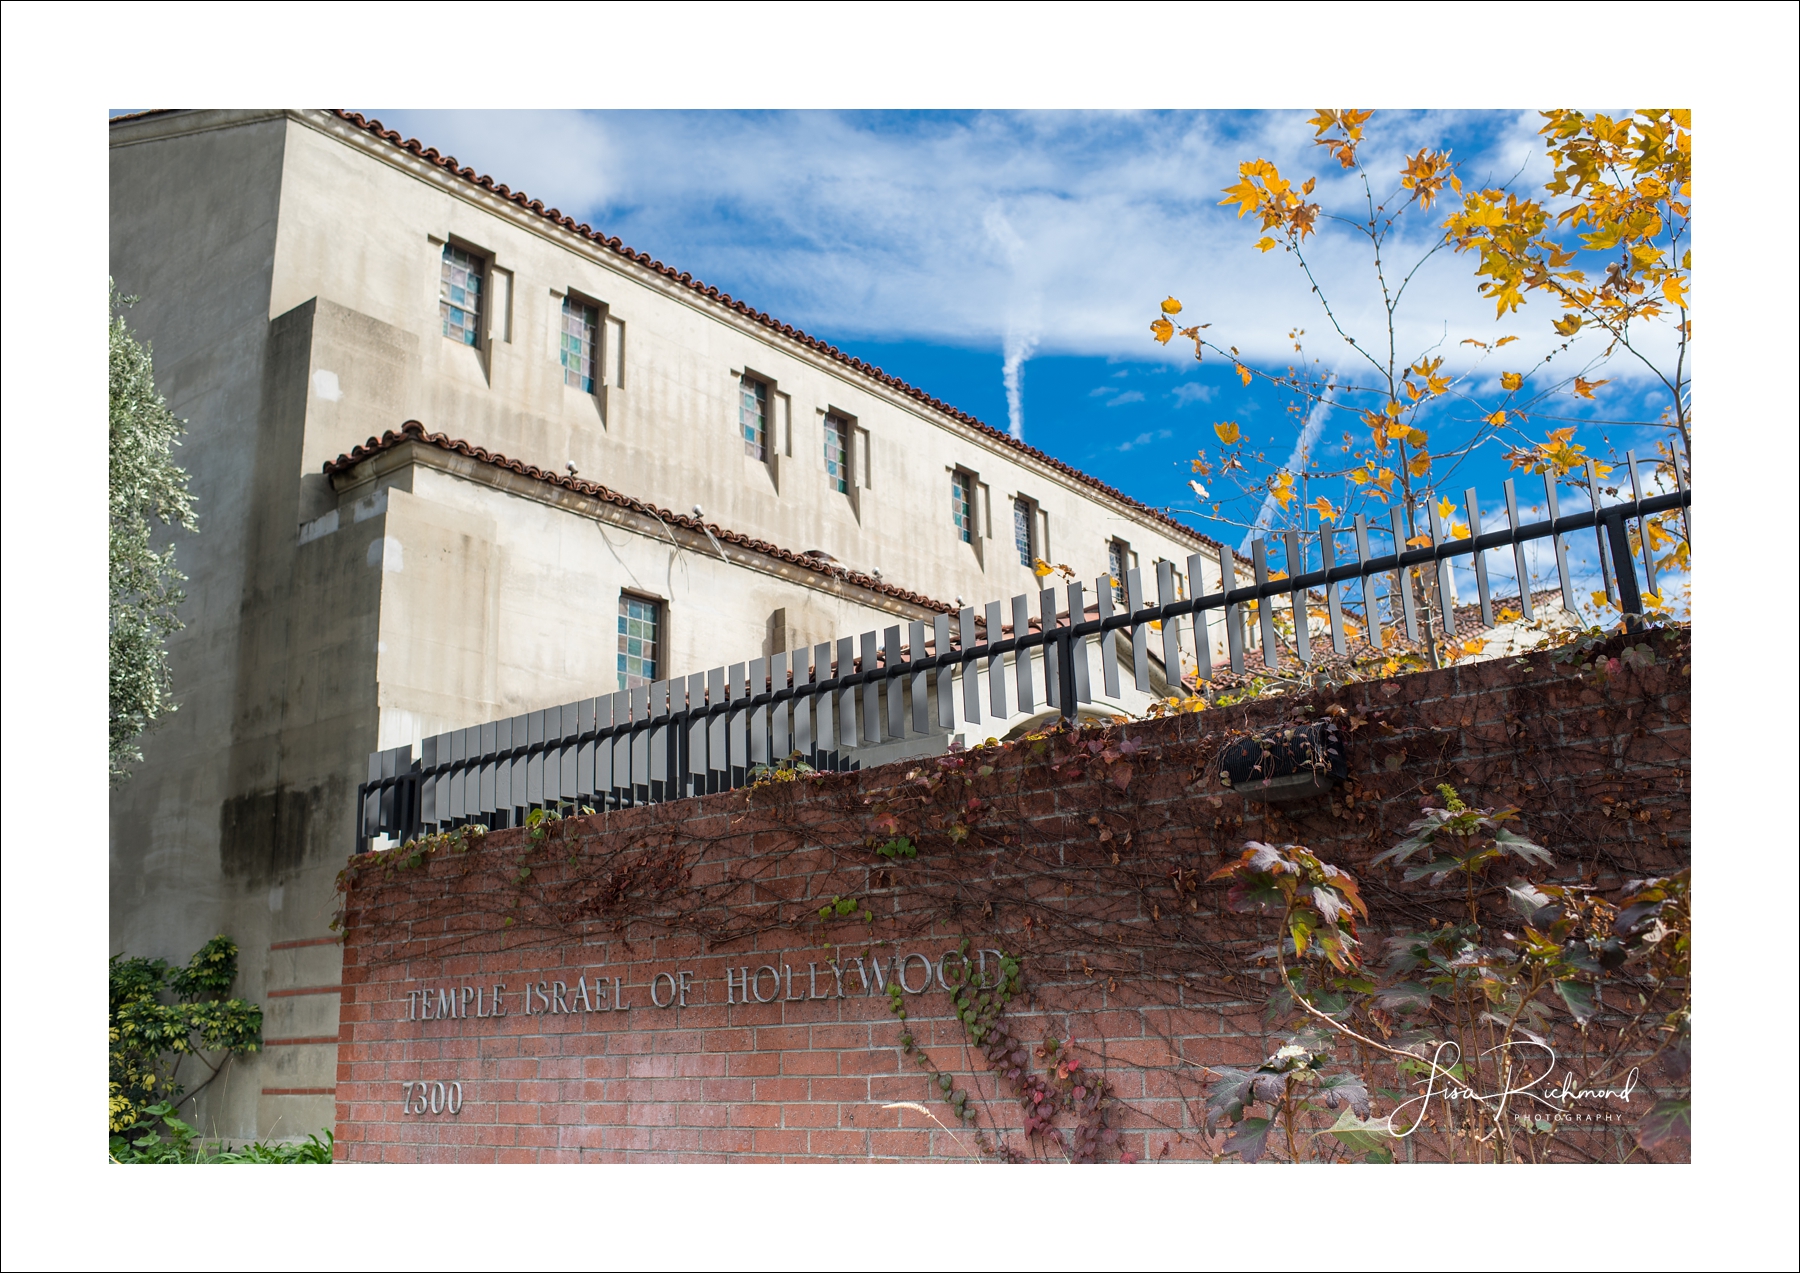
{"points": [[753, 416], [580, 325], [1116, 565], [962, 508], [1022, 519], [837, 452], [639, 620], [459, 295]]}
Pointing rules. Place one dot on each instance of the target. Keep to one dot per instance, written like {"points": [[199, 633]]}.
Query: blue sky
{"points": [[952, 247]]}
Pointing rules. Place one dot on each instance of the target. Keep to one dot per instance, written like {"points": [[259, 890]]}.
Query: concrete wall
{"points": [[288, 263]]}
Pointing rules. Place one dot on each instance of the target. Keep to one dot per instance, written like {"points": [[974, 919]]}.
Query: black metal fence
{"points": [[709, 731]]}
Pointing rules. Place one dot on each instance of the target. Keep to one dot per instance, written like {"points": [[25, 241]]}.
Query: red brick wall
{"points": [[1085, 864]]}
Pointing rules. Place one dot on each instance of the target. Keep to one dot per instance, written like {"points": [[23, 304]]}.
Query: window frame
{"points": [[483, 313], [596, 377], [848, 479], [658, 640], [964, 482], [1033, 550], [763, 450]]}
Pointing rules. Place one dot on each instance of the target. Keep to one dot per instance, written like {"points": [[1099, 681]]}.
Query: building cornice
{"points": [[413, 444]]}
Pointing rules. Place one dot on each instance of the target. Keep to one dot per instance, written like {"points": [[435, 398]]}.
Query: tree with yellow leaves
{"points": [[1623, 188]]}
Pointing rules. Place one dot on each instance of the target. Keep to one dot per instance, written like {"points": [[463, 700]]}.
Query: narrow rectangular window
{"points": [[837, 452], [962, 508], [640, 621], [1117, 559], [459, 295], [1023, 517], [580, 329], [753, 417]]}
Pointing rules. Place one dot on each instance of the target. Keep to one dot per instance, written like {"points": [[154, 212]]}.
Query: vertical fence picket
{"points": [[803, 704], [780, 742], [657, 740], [895, 685], [871, 691], [1265, 607], [1078, 648], [1234, 615], [1562, 550], [1366, 587], [996, 668], [759, 716], [552, 766], [1606, 576], [1140, 632], [1202, 628], [1520, 569], [1446, 588], [1298, 605], [920, 678], [1171, 628], [1473, 505], [1334, 604], [946, 675], [1021, 616], [1109, 659], [1052, 669], [825, 702], [1637, 497], [618, 748], [1409, 606], [484, 776], [640, 744], [846, 698]]}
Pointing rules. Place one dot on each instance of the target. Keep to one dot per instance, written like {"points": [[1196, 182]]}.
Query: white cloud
{"points": [[1050, 231], [1144, 439], [1191, 392], [1130, 395]]}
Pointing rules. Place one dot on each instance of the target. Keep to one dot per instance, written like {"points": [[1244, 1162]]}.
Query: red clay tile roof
{"points": [[449, 164], [413, 431]]}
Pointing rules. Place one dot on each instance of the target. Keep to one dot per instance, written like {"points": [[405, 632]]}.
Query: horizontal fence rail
{"points": [[712, 730]]}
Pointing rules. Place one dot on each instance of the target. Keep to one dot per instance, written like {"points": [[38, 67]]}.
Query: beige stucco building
{"points": [[310, 283]]}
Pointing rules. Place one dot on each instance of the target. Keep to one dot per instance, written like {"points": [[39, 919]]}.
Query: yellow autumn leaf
{"points": [[1568, 326], [1323, 508], [1474, 647], [1227, 431], [1420, 464], [1459, 531], [1360, 476], [1585, 388], [1171, 306], [1385, 479], [1417, 438], [1419, 541], [1282, 488], [1265, 244], [1512, 381], [1504, 340], [1163, 330], [1042, 568], [1672, 289], [1497, 419], [1243, 373], [1446, 508], [1398, 428]]}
